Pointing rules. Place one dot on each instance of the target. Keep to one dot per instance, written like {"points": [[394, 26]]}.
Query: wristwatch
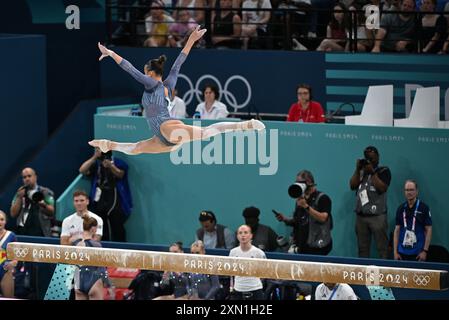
{"points": [[307, 208]]}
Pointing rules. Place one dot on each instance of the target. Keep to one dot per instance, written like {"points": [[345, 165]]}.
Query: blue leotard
{"points": [[87, 276], [154, 100]]}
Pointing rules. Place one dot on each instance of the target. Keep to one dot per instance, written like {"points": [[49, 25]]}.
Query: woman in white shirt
{"points": [[211, 108], [246, 288], [254, 20]]}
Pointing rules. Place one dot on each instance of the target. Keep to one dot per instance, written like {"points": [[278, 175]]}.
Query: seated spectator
{"points": [[211, 108], [434, 28], [156, 25], [305, 110], [6, 266], [397, 32], [319, 16], [89, 279], [226, 27], [391, 5], [33, 207], [246, 288], [202, 286], [72, 226], [413, 231], [179, 30], [196, 15], [110, 196], [212, 234], [254, 22], [175, 282], [177, 107], [263, 236], [336, 30], [364, 36], [334, 291]]}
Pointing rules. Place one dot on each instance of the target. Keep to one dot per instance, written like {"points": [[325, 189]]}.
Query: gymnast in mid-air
{"points": [[169, 133]]}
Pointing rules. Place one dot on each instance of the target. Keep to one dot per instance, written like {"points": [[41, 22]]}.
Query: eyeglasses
{"points": [[302, 93], [409, 190], [195, 252]]}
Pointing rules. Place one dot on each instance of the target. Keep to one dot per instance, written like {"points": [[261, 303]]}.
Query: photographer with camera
{"points": [[371, 183], [110, 196], [33, 207], [312, 219]]}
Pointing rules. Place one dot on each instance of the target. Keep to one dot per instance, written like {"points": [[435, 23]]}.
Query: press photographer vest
{"points": [[377, 203], [36, 223], [319, 232]]}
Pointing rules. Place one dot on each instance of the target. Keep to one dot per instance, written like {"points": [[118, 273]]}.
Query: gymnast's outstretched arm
{"points": [[196, 34], [148, 82]]}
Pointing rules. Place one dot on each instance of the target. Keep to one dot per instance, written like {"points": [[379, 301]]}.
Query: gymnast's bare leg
{"points": [[176, 132]]}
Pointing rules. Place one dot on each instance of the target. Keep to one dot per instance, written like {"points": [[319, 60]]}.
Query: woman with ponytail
{"points": [[169, 133], [89, 280]]}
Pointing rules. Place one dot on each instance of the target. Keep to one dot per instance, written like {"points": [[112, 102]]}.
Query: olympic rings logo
{"points": [[421, 280], [230, 98], [21, 252]]}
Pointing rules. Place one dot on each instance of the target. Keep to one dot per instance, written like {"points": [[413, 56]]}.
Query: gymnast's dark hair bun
{"points": [[157, 65], [162, 59]]}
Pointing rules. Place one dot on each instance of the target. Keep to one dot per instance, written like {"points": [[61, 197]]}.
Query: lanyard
{"points": [[333, 292], [304, 114], [414, 216]]}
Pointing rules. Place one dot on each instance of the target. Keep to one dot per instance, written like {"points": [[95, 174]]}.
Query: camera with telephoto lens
{"points": [[105, 156], [34, 195], [363, 162], [297, 189], [293, 249]]}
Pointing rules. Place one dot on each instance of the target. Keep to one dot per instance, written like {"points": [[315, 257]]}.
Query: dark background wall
{"points": [[73, 69], [68, 73], [23, 99]]}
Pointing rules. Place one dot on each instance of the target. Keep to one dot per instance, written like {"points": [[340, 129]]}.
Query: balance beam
{"points": [[232, 266]]}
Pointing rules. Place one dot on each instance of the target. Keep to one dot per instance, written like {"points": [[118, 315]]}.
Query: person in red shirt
{"points": [[305, 110]]}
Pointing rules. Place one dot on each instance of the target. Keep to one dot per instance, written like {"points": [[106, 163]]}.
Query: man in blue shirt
{"points": [[413, 231]]}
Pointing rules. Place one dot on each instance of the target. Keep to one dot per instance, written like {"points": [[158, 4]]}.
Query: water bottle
{"points": [[135, 111], [197, 115]]}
